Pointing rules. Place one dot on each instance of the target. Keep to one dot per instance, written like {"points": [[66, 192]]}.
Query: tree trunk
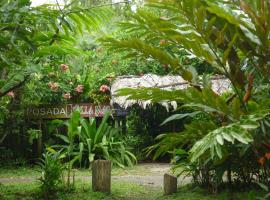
{"points": [[101, 176]]}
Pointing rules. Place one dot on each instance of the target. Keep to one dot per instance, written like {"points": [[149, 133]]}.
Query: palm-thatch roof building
{"points": [[169, 82]]}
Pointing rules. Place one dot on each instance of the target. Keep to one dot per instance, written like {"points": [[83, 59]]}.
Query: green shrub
{"points": [[85, 142], [52, 171], [231, 37]]}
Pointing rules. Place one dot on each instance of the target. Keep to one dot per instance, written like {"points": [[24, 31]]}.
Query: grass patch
{"points": [[187, 193], [123, 191], [120, 191], [12, 190], [27, 171]]}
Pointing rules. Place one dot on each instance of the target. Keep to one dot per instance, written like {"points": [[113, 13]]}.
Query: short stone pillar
{"points": [[101, 176], [169, 184]]}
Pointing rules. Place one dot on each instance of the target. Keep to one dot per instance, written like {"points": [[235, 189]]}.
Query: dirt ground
{"points": [[150, 174]]}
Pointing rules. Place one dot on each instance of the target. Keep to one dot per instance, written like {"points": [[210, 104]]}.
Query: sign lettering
{"points": [[64, 111]]}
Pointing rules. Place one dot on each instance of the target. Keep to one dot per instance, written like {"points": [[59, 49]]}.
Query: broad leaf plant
{"points": [[234, 38]]}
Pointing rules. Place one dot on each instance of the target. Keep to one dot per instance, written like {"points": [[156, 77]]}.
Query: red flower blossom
{"points": [[267, 155], [261, 160], [104, 88], [10, 94], [53, 86], [67, 95], [79, 89], [64, 67]]}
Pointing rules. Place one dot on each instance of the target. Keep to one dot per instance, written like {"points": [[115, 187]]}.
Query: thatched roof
{"points": [[219, 85]]}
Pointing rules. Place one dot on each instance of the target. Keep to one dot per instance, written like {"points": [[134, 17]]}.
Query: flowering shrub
{"points": [[64, 67], [67, 95], [58, 83], [11, 94], [61, 82], [53, 86], [79, 89], [104, 88]]}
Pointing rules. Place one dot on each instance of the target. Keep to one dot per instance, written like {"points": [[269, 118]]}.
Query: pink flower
{"points": [[67, 95], [104, 88], [64, 67], [10, 94], [53, 86], [79, 89]]}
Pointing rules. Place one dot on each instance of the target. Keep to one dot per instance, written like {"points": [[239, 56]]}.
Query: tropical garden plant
{"points": [[35, 34], [233, 37], [33, 38], [105, 142], [52, 173], [86, 141]]}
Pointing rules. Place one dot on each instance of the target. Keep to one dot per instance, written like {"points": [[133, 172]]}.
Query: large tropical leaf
{"points": [[239, 132]]}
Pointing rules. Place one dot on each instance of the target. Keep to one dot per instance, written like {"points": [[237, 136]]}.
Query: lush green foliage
{"points": [[31, 35], [32, 40], [105, 143], [193, 131], [84, 142], [52, 173], [49, 54], [232, 36]]}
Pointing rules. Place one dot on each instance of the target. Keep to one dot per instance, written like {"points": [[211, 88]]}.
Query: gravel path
{"points": [[147, 175], [154, 181]]}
